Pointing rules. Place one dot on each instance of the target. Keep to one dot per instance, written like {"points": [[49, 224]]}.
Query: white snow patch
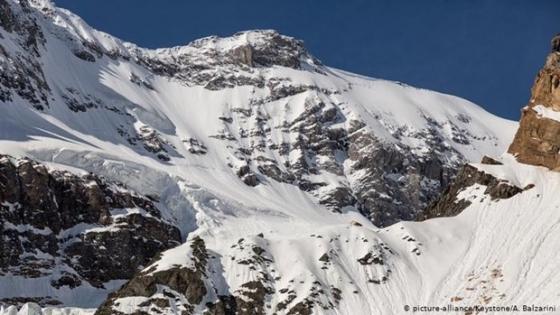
{"points": [[546, 112]]}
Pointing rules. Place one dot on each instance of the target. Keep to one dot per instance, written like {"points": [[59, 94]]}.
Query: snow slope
{"points": [[496, 253]]}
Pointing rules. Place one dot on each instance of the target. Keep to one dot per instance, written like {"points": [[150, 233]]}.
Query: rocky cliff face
{"points": [[451, 202], [21, 72], [536, 141], [73, 231]]}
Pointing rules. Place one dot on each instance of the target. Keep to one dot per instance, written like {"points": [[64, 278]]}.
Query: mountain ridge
{"points": [[325, 124]]}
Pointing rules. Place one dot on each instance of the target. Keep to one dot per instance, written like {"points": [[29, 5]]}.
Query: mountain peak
{"points": [[256, 38], [253, 48]]}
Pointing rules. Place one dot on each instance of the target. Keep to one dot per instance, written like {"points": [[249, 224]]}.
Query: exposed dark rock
{"points": [[555, 43], [278, 50], [236, 64], [378, 281], [247, 176], [338, 198], [118, 261], [77, 102], [140, 82], [302, 308], [82, 221], [226, 305], [398, 185], [85, 55], [395, 184], [67, 279], [316, 298], [186, 281], [70, 218], [151, 140], [228, 120], [449, 204], [490, 161], [251, 298], [7, 17], [369, 259], [195, 146], [22, 73]]}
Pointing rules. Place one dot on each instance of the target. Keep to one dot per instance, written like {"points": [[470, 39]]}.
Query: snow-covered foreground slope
{"points": [[496, 253], [513, 242], [273, 167]]}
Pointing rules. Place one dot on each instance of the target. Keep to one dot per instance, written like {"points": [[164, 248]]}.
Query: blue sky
{"points": [[487, 51]]}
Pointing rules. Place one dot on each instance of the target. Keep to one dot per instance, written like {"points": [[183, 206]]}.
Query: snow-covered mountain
{"points": [[255, 106], [285, 181]]}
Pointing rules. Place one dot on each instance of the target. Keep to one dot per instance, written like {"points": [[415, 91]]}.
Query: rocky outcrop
{"points": [[178, 287], [536, 141], [490, 161], [238, 59], [21, 73], [399, 184], [386, 182], [269, 50], [450, 204], [74, 229]]}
